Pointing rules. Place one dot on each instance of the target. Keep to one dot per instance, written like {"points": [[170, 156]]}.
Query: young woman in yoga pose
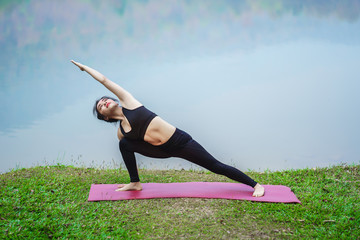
{"points": [[142, 131]]}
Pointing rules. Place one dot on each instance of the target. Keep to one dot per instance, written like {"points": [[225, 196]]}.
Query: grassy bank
{"points": [[51, 202]]}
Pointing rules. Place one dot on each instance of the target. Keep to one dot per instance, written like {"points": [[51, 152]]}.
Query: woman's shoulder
{"points": [[131, 104]]}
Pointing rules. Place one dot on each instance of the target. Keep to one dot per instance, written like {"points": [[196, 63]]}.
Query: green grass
{"points": [[51, 202]]}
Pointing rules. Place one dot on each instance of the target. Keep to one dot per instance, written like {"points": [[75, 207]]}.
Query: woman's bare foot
{"points": [[133, 186], [259, 191]]}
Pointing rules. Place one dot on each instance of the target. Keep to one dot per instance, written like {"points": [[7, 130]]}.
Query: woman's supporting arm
{"points": [[126, 99]]}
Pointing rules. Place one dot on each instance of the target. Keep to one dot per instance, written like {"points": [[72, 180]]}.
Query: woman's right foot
{"points": [[133, 186]]}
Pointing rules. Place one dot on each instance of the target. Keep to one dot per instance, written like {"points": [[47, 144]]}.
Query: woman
{"points": [[142, 131]]}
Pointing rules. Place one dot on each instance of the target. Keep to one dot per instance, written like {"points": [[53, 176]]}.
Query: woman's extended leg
{"points": [[195, 153]]}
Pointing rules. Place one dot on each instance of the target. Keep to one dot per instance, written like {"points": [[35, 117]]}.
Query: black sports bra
{"points": [[139, 119]]}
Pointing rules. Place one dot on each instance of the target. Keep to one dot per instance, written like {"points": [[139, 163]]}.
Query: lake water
{"points": [[260, 84]]}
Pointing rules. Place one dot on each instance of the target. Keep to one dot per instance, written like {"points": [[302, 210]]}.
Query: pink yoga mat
{"points": [[273, 193]]}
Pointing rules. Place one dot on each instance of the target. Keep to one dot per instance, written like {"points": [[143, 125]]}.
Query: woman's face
{"points": [[105, 106]]}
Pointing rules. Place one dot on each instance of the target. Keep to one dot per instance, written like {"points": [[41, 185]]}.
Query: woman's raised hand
{"points": [[81, 66], [126, 99], [95, 74]]}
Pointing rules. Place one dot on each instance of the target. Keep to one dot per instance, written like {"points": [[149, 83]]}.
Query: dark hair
{"points": [[99, 115]]}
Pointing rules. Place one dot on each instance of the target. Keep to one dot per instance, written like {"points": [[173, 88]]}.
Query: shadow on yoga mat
{"points": [[273, 193]]}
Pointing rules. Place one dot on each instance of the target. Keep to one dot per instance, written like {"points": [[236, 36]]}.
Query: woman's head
{"points": [[102, 108]]}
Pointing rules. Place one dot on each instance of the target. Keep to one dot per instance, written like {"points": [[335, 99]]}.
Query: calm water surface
{"points": [[261, 85]]}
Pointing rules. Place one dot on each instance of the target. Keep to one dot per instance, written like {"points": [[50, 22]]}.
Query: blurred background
{"points": [[260, 84]]}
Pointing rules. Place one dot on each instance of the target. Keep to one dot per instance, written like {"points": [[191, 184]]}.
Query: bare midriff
{"points": [[158, 132]]}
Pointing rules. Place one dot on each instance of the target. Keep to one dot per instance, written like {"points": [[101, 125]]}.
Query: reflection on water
{"points": [[260, 85]]}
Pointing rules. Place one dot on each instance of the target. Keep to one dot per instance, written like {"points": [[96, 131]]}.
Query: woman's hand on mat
{"points": [[81, 66], [259, 191], [133, 186]]}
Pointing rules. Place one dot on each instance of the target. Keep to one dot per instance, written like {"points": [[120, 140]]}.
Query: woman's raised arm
{"points": [[126, 99]]}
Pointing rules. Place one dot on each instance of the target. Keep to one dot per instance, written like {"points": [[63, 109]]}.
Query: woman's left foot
{"points": [[259, 191]]}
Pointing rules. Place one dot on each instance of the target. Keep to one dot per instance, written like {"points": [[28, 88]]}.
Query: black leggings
{"points": [[180, 145]]}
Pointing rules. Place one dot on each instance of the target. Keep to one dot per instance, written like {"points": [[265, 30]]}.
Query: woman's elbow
{"points": [[119, 135]]}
